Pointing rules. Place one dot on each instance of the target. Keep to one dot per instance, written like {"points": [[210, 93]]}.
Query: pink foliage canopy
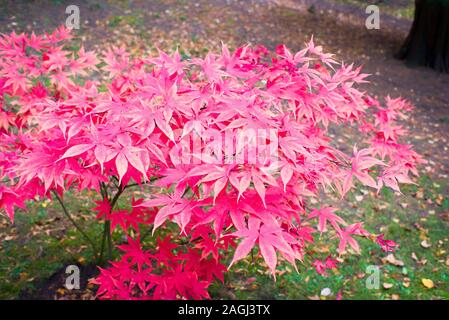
{"points": [[79, 119]]}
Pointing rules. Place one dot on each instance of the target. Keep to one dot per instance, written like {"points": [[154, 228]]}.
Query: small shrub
{"points": [[234, 149]]}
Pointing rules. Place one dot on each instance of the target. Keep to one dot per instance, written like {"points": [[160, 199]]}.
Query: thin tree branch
{"points": [[77, 226]]}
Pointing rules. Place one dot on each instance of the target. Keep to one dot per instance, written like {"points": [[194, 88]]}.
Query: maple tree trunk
{"points": [[428, 41]]}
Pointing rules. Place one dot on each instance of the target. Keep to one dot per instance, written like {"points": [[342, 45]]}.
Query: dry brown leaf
{"points": [[391, 259], [420, 194]]}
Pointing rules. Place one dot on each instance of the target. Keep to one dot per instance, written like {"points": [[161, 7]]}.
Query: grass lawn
{"points": [[42, 241]]}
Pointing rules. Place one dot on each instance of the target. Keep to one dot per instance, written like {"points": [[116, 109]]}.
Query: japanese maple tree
{"points": [[233, 149]]}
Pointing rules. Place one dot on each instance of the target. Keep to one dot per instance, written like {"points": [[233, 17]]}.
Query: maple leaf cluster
{"points": [[182, 129]]}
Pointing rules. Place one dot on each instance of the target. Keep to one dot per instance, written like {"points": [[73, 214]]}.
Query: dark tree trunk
{"points": [[428, 41]]}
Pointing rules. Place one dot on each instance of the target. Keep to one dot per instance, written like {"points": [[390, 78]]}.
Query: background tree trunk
{"points": [[428, 41]]}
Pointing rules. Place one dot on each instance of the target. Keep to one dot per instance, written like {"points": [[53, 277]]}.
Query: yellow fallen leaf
{"points": [[422, 236], [427, 283]]}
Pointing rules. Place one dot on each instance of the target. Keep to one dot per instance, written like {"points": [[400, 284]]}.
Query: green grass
{"points": [[42, 241], [35, 247], [134, 20], [382, 214]]}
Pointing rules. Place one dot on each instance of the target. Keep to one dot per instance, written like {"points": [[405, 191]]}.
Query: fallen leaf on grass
{"points": [[420, 194], [391, 259], [415, 257], [425, 244], [427, 283], [406, 283], [387, 285]]}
